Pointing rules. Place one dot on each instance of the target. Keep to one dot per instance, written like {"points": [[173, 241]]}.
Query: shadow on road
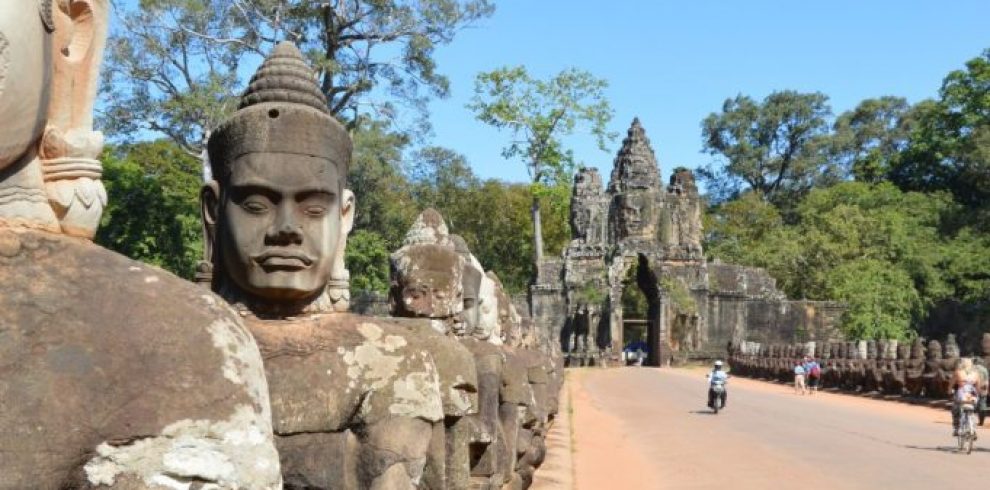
{"points": [[947, 449], [702, 412]]}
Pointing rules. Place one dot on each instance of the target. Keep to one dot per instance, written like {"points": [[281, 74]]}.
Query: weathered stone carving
{"points": [[25, 94], [432, 275], [70, 148], [115, 374], [589, 207], [355, 400], [910, 374], [694, 308], [428, 281], [951, 347]]}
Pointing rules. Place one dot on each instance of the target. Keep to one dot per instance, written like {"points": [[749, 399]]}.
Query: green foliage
{"points": [[679, 295], [776, 147], [385, 201], [869, 139], [174, 66], [881, 299], [367, 260], [843, 235], [634, 302], [153, 209], [538, 114], [590, 294], [949, 147], [442, 179], [906, 244]]}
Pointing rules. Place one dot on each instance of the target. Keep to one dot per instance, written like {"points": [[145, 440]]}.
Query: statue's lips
{"points": [[283, 260]]}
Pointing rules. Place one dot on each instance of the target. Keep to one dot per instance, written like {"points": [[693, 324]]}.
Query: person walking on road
{"points": [[812, 373], [981, 370], [799, 379]]}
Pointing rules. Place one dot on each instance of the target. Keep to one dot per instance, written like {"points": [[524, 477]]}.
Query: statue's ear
{"points": [[346, 224], [210, 201], [210, 208], [347, 205]]}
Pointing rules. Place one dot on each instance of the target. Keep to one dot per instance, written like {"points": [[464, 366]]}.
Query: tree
{"points": [[775, 147], [539, 114], [880, 299], [171, 69], [385, 202], [367, 261], [174, 65], [442, 179], [495, 223], [949, 148], [868, 139], [152, 214]]}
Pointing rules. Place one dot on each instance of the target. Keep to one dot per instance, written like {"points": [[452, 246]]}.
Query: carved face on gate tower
{"points": [[278, 214]]}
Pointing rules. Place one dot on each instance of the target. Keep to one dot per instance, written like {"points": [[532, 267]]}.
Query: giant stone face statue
{"points": [[280, 202]]}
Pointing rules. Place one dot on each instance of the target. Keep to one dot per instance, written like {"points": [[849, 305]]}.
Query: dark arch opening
{"points": [[648, 283]]}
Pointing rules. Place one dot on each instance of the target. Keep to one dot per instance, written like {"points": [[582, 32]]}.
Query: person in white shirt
{"points": [[717, 377], [799, 379]]}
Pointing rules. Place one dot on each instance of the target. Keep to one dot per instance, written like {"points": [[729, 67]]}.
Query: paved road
{"points": [[648, 428]]}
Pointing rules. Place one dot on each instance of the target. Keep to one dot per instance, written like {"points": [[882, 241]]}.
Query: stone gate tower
{"points": [[694, 308]]}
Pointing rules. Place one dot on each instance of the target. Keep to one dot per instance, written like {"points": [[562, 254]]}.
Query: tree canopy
{"points": [[885, 207], [538, 114], [775, 147], [173, 66], [152, 212]]}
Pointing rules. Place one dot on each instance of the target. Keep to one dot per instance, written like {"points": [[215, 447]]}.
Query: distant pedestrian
{"points": [[981, 370], [799, 379], [813, 373]]}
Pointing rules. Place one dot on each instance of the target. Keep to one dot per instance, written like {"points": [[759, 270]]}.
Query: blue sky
{"points": [[673, 63]]}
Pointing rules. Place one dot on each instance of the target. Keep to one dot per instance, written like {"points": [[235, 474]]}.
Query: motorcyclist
{"points": [[718, 376]]}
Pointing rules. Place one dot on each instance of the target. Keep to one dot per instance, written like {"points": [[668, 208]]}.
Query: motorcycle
{"points": [[716, 395]]}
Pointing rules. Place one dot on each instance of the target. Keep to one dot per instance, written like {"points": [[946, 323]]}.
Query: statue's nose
{"points": [[285, 230]]}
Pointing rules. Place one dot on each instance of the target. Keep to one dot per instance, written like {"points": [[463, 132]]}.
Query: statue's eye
{"points": [[316, 210], [254, 206]]}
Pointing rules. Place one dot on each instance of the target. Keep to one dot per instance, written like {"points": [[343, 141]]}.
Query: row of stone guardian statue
{"points": [[915, 368], [117, 374]]}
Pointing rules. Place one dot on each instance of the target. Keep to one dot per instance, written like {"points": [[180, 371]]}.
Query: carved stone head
{"points": [[903, 351], [934, 350], [427, 281], [985, 344], [488, 323], [277, 213], [918, 349], [504, 311], [951, 347], [634, 213]]}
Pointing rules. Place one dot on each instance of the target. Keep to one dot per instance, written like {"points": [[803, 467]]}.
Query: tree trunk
{"points": [[204, 158], [537, 234]]}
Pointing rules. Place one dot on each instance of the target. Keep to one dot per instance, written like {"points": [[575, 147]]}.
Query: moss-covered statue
{"points": [[356, 401], [113, 373]]}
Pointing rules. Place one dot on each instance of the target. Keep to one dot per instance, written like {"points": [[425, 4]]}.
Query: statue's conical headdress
{"points": [[282, 111]]}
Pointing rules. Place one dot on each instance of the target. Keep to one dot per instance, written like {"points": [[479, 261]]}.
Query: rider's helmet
{"points": [[718, 365]]}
